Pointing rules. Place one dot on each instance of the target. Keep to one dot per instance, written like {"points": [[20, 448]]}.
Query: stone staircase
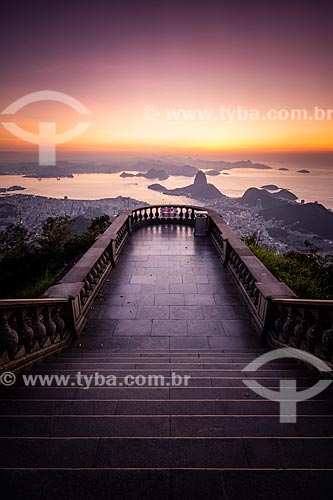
{"points": [[213, 439], [168, 307]]}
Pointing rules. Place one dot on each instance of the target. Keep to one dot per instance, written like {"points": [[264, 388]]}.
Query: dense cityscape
{"points": [[31, 211]]}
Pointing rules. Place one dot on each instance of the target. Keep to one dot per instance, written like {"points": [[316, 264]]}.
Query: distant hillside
{"points": [[12, 188], [212, 172], [154, 174], [157, 187], [228, 165], [310, 217], [150, 174], [171, 165], [169, 168], [268, 200], [199, 189]]}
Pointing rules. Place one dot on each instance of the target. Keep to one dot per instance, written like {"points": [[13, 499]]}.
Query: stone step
{"points": [[167, 484], [252, 353], [240, 453], [181, 368], [107, 393], [151, 362], [152, 354], [165, 358], [79, 353], [90, 379], [157, 407], [162, 426]]}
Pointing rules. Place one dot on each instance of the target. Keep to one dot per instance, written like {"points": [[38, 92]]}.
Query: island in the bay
{"points": [[11, 189]]}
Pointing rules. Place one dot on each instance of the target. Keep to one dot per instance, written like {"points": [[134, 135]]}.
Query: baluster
{"points": [[9, 339], [155, 213], [90, 280], [244, 274], [235, 263], [251, 286], [288, 326], [255, 295], [325, 349], [324, 340], [311, 336], [99, 267], [299, 330], [94, 274], [24, 330], [192, 214], [49, 324], [86, 289], [239, 267], [281, 314], [38, 327], [58, 321]]}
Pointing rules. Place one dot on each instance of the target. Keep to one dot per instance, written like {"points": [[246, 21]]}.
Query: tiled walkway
{"points": [[169, 291]]}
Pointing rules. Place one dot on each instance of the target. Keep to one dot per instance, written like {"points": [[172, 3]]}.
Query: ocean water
{"points": [[314, 186]]}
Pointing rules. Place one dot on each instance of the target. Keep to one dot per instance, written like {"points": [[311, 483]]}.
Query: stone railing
{"points": [[29, 327], [158, 214], [32, 329], [257, 285], [303, 324], [276, 311], [86, 277], [35, 328]]}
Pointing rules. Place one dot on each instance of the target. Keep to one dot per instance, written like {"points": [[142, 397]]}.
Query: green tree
{"points": [[14, 240], [99, 225], [55, 234], [29, 265]]}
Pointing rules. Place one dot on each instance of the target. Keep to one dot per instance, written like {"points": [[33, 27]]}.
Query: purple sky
{"points": [[117, 59]]}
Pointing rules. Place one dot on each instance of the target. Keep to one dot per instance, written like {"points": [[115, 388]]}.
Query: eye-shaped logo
{"points": [[47, 137], [287, 396]]}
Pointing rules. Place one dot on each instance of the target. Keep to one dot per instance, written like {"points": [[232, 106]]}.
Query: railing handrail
{"points": [[171, 205], [300, 302], [33, 302]]}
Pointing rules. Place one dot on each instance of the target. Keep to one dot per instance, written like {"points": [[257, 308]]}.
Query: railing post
{"points": [[226, 252], [73, 314], [129, 225], [113, 252]]}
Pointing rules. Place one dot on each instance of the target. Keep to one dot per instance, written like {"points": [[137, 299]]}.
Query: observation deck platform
{"points": [[167, 306]]}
